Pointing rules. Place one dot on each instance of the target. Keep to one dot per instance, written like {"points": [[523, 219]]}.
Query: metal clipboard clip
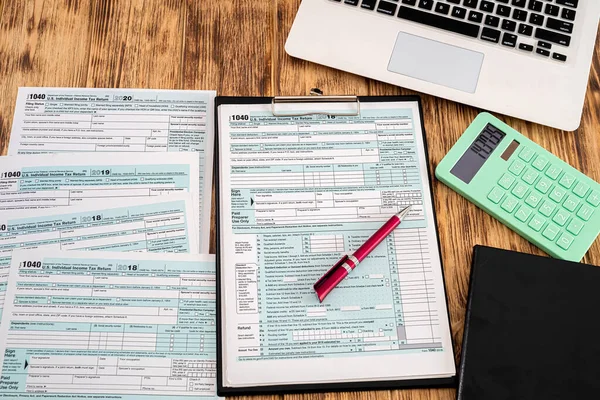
{"points": [[316, 96]]}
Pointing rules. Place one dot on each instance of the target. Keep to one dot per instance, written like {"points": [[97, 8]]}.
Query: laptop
{"points": [[529, 59]]}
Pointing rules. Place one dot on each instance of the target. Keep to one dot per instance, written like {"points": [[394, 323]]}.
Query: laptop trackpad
{"points": [[436, 62]]}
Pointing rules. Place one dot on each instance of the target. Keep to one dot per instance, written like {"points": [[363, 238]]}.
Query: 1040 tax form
{"points": [[127, 326], [156, 225], [67, 120], [295, 192]]}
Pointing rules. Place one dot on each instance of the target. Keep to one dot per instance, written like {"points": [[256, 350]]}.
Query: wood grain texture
{"points": [[237, 48]]}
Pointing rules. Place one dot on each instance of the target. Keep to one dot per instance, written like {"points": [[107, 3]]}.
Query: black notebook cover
{"points": [[532, 329]]}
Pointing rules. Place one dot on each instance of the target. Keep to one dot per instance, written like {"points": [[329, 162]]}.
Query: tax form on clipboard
{"points": [[301, 180]]}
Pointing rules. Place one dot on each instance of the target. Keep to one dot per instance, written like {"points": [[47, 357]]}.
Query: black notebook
{"points": [[532, 329]]}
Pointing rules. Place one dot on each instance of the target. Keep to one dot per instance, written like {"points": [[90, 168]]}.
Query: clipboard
{"points": [[275, 103]]}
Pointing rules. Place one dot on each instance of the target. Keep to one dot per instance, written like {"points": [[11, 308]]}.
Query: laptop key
{"points": [[470, 3], [526, 47], [520, 15], [368, 4], [553, 37], [535, 5], [542, 52], [569, 3], [453, 1], [386, 8], [559, 57], [503, 11], [442, 8], [490, 20], [351, 2], [551, 10], [536, 19], [487, 6], [559, 25], [544, 45], [509, 40], [409, 2], [426, 4], [475, 16], [502, 1], [526, 30], [437, 21], [490, 35], [568, 14], [518, 3], [509, 25], [459, 12]]}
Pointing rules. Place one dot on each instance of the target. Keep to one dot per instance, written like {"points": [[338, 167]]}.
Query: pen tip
{"points": [[403, 212]]}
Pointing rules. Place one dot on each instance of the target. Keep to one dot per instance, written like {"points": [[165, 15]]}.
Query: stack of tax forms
{"points": [[106, 287]]}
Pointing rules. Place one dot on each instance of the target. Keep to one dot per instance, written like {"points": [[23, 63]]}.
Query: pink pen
{"points": [[343, 267]]}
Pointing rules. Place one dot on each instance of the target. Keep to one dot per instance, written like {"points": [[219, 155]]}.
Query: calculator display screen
{"points": [[477, 154]]}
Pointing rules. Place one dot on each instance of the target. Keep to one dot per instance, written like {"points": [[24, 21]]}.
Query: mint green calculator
{"points": [[525, 187]]}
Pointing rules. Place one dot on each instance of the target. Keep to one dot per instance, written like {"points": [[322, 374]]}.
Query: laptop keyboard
{"points": [[543, 27]]}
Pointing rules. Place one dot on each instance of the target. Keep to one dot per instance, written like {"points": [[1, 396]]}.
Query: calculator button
{"points": [[517, 167], [571, 203], [557, 194], [561, 217], [540, 163], [533, 199], [520, 190], [551, 231], [581, 189], [509, 204], [523, 213], [506, 181], [575, 226], [543, 185], [564, 241], [530, 176], [536, 223], [594, 198], [496, 195], [553, 172], [567, 181], [547, 208], [585, 212], [526, 154]]}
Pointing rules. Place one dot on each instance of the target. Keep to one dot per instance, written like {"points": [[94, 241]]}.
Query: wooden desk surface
{"points": [[236, 47]]}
